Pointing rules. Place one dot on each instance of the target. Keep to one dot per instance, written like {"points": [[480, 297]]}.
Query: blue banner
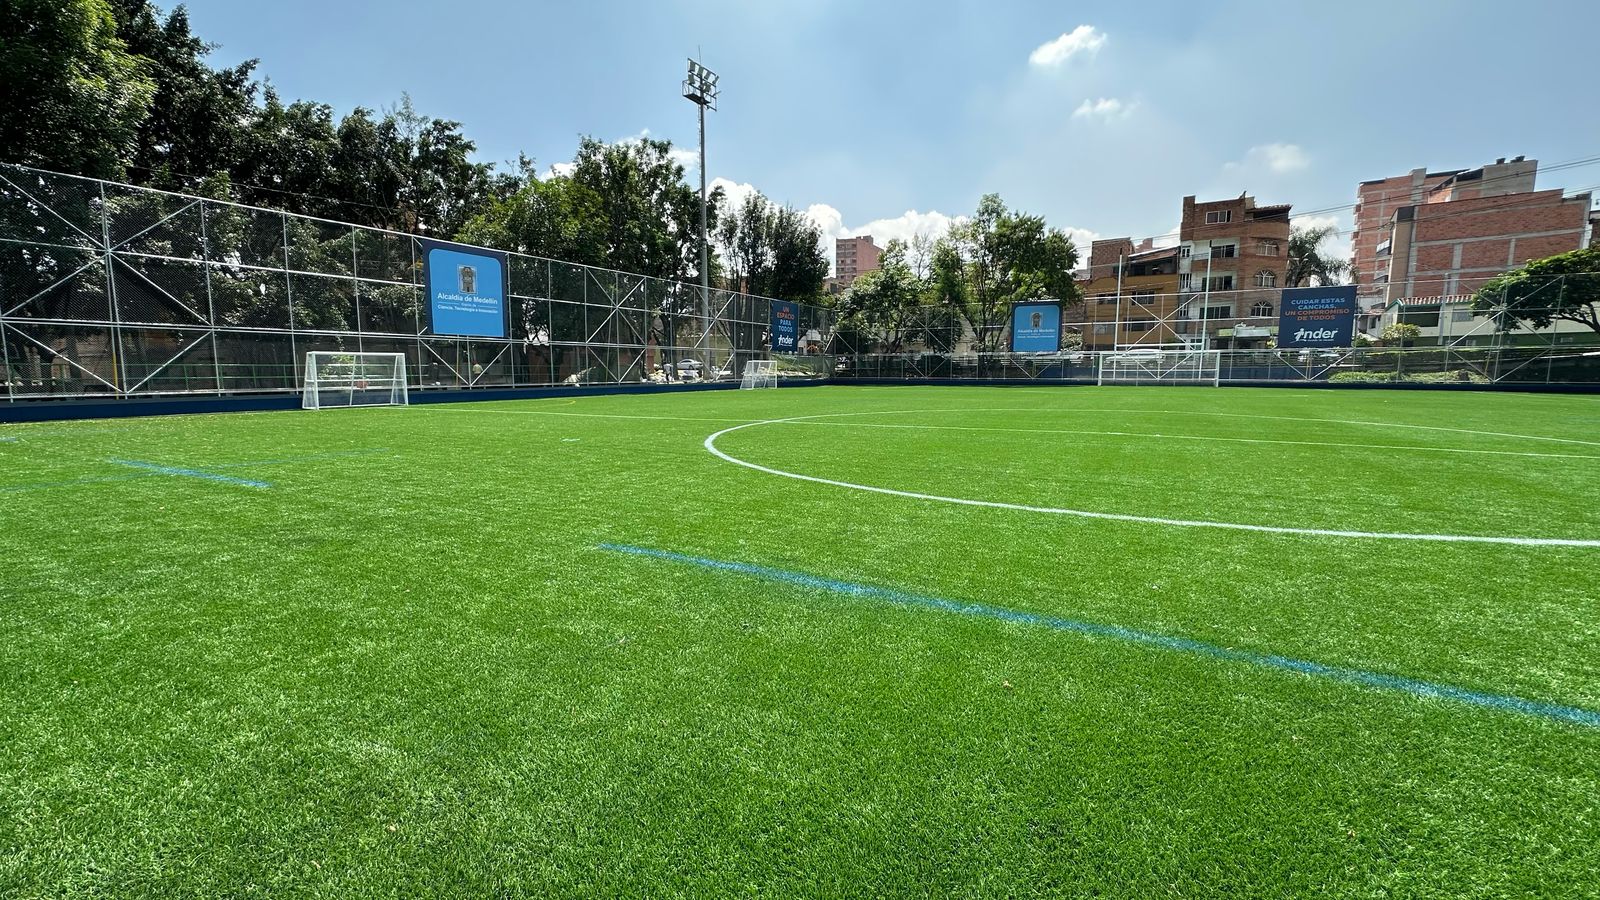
{"points": [[785, 327], [1318, 316], [466, 289], [1036, 327]]}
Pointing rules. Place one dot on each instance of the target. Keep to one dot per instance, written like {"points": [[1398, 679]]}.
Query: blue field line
{"points": [[152, 470], [1570, 714], [188, 473]]}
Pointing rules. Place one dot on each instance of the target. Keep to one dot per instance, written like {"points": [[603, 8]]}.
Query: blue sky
{"points": [[890, 118]]}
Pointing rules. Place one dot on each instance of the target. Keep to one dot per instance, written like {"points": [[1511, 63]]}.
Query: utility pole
{"points": [[700, 88]]}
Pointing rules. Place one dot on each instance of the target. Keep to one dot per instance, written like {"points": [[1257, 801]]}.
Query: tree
{"points": [[1565, 286], [199, 115], [1308, 260], [771, 250], [71, 94], [1005, 257], [1400, 334], [649, 216], [885, 301]]}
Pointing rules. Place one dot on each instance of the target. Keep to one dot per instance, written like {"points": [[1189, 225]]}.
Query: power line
{"points": [[1580, 163]]}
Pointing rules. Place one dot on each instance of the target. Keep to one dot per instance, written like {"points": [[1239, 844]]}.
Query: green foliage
{"points": [[72, 96], [885, 301], [1448, 376], [121, 89], [1004, 257], [1565, 286], [770, 250], [1400, 334], [622, 206], [1309, 261]]}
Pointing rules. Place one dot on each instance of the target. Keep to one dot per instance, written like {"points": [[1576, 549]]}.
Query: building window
{"points": [[1105, 299], [1102, 328], [1267, 248], [1219, 312], [1461, 315], [1265, 278], [1139, 326], [1144, 297], [1261, 310], [1224, 251], [1186, 282], [1222, 282], [1184, 251], [1219, 216]]}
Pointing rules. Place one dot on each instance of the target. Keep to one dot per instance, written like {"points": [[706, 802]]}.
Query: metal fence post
{"points": [[211, 302]]}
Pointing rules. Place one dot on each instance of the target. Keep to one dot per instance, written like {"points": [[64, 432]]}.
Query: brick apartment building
{"points": [[1424, 242], [854, 257], [1148, 290], [1232, 262]]}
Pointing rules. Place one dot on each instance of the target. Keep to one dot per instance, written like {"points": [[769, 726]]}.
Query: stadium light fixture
{"points": [[700, 88]]}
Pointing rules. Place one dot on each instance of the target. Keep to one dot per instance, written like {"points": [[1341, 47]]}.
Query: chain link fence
{"points": [[113, 290]]}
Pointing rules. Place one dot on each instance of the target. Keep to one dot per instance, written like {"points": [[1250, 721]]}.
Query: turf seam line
{"points": [[188, 473], [1416, 687]]}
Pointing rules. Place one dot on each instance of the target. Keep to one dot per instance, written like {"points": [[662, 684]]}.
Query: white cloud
{"points": [[1339, 244], [1082, 240], [911, 223], [1277, 159], [1105, 109], [683, 156], [734, 191], [1084, 39]]}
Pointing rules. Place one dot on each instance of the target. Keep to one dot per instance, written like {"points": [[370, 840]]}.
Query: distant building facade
{"points": [[1232, 263], [1146, 286], [854, 257], [1425, 242]]}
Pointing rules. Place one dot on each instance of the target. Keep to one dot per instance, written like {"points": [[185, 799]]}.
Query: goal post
{"points": [[759, 373], [342, 378], [1161, 367]]}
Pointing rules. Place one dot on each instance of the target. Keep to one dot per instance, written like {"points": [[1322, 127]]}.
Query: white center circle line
{"points": [[710, 444]]}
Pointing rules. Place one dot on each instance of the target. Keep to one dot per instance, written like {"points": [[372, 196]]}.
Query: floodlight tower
{"points": [[700, 88]]}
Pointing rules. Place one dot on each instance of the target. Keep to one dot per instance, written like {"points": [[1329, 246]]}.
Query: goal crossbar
{"points": [[1161, 367], [347, 378], [759, 373]]}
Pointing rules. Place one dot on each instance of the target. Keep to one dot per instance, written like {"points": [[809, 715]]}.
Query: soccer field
{"points": [[827, 641]]}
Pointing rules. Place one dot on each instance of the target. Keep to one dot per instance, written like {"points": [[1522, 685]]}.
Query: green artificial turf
{"points": [[406, 666]]}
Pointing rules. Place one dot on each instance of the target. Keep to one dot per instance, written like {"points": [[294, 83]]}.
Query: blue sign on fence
{"points": [[1036, 327], [466, 289], [1318, 316], [785, 327]]}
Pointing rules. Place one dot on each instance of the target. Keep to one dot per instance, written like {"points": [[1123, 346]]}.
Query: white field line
{"points": [[710, 444], [542, 412], [1197, 437], [1072, 410], [1191, 412]]}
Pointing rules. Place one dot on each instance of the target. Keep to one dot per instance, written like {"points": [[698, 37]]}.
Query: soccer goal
{"points": [[336, 378], [759, 373], [1161, 367]]}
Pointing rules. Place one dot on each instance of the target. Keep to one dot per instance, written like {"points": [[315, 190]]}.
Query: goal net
{"points": [[335, 378], [1161, 367], [759, 373]]}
